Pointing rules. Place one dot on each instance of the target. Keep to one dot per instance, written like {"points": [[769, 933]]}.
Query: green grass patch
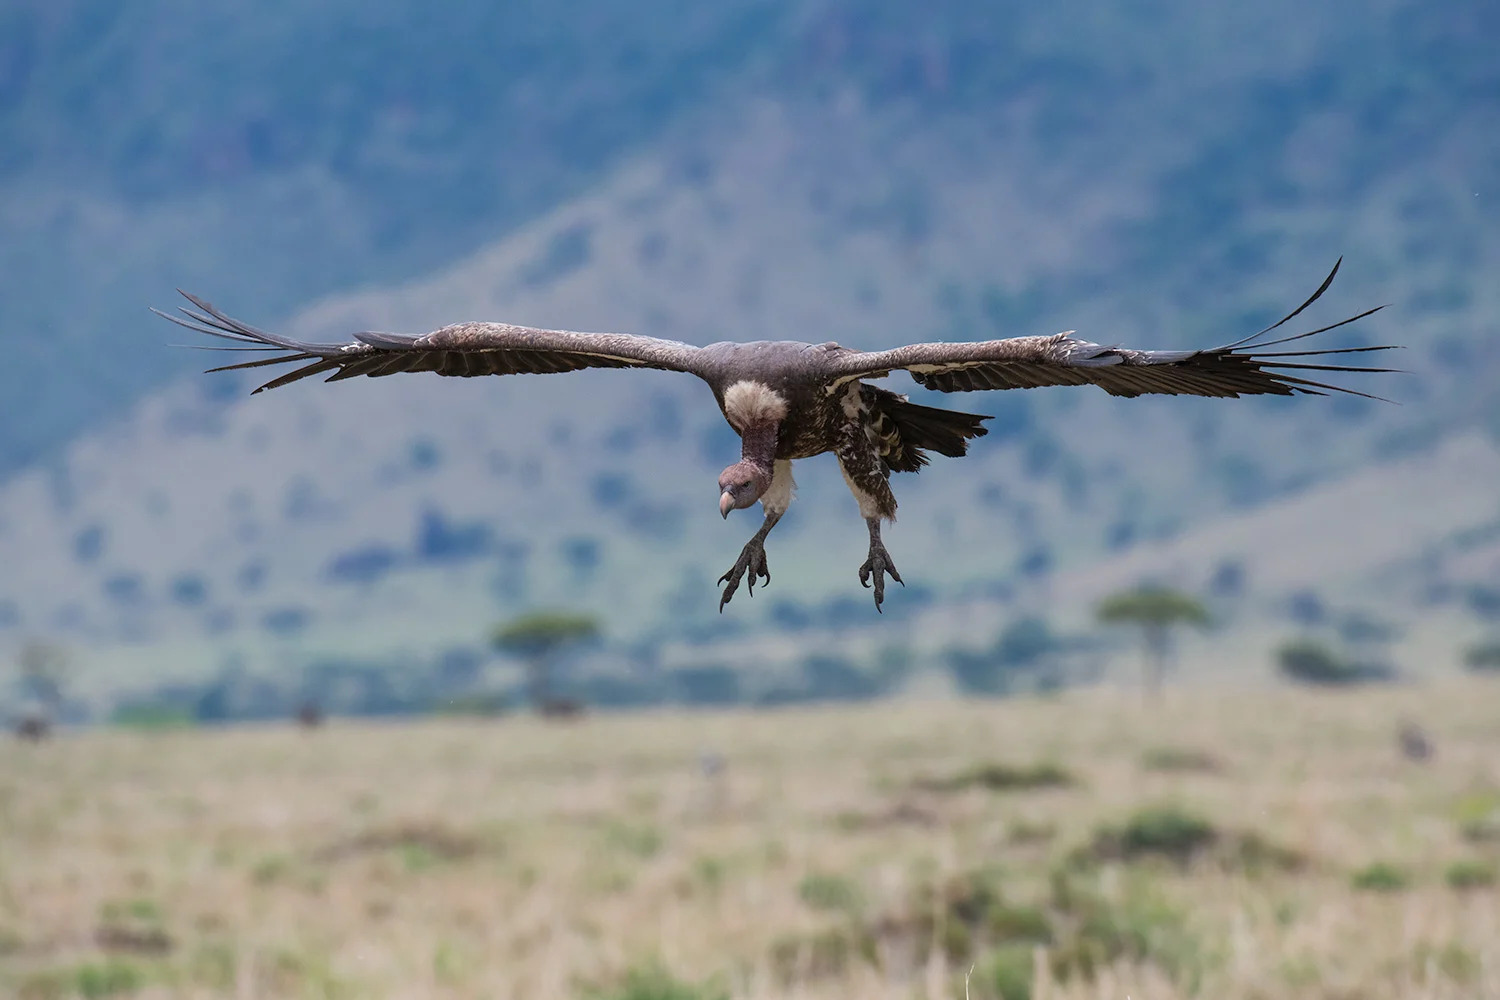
{"points": [[214, 965], [1470, 873], [1134, 923], [111, 977], [1000, 777], [1006, 973], [132, 925], [830, 892], [709, 871], [638, 839], [1178, 760], [1164, 831], [1450, 961], [1478, 817], [653, 982], [828, 953], [1380, 876], [418, 845]]}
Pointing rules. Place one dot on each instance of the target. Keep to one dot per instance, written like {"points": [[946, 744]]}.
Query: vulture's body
{"points": [[790, 400]]}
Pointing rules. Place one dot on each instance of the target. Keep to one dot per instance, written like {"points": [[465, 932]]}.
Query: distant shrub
{"points": [[830, 892], [1483, 601], [1478, 817], [582, 554], [423, 455], [285, 621], [362, 565], [835, 678], [1380, 876], [1306, 607], [1228, 579], [1359, 627], [457, 665], [133, 925], [1137, 925], [1309, 661], [252, 577], [1470, 874], [1024, 831], [88, 544], [641, 840], [611, 489], [417, 846], [652, 982], [440, 540], [1171, 833], [125, 588], [1006, 973], [831, 952], [1451, 960], [1164, 831], [707, 685], [789, 615], [1023, 646], [189, 590], [1180, 759], [1483, 658], [1000, 777], [108, 978]]}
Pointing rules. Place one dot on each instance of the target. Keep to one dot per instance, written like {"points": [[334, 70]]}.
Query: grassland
{"points": [[1246, 844]]}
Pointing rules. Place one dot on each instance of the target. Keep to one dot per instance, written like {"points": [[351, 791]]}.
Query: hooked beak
{"points": [[726, 504]]}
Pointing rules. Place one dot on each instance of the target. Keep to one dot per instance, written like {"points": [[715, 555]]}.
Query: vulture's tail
{"points": [[920, 429]]}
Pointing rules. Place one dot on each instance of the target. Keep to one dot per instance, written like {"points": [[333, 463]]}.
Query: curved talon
{"points": [[878, 566], [752, 560]]}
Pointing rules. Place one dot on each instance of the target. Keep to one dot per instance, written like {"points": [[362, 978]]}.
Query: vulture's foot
{"points": [[752, 560], [878, 565]]}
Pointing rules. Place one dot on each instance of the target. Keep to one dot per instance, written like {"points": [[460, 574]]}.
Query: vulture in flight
{"points": [[790, 400]]}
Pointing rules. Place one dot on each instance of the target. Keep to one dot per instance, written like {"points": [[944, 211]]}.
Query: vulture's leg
{"points": [[752, 558], [878, 564], [869, 479]]}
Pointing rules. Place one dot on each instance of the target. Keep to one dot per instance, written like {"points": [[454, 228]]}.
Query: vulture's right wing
{"points": [[463, 349], [1243, 368]]}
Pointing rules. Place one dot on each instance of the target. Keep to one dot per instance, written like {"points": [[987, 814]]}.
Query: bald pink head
{"points": [[741, 485]]}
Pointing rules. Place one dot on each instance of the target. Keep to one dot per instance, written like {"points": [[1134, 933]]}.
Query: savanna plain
{"points": [[1259, 843]]}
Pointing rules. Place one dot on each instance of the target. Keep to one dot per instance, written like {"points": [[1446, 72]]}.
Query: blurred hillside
{"points": [[866, 173]]}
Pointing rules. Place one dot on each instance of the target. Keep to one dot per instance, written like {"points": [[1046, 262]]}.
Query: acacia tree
{"points": [[537, 639], [1155, 610]]}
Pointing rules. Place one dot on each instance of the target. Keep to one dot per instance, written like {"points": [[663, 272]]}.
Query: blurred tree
{"points": [[1024, 647], [1155, 610], [1483, 658], [537, 638], [44, 669], [1312, 662]]}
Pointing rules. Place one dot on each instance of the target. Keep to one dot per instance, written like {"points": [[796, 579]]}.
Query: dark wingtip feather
{"points": [[1295, 312]]}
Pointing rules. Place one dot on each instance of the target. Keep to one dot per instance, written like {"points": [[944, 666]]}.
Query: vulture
{"points": [[789, 400]]}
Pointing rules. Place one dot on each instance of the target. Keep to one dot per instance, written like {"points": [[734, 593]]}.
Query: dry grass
{"points": [[516, 859]]}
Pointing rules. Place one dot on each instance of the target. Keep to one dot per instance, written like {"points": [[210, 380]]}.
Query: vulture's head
{"points": [[741, 485]]}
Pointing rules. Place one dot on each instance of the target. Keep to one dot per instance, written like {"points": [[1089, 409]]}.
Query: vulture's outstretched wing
{"points": [[463, 349], [1244, 368]]}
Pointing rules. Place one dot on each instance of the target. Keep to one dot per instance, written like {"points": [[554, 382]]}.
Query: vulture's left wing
{"points": [[1244, 368], [463, 349]]}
